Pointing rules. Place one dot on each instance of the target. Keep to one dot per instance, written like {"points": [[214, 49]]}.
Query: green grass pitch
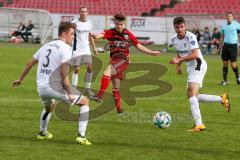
{"points": [[129, 136]]}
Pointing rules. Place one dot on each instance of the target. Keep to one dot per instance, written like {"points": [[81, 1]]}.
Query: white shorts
{"points": [[196, 76], [81, 59], [49, 95]]}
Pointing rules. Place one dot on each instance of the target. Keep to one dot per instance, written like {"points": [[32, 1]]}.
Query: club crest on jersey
{"points": [[185, 44], [126, 37], [192, 42]]}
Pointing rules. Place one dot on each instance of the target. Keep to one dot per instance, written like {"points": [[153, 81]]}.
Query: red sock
{"points": [[104, 85], [117, 98]]}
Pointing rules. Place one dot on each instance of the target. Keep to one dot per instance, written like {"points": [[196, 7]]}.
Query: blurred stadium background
{"points": [[149, 20], [132, 136]]}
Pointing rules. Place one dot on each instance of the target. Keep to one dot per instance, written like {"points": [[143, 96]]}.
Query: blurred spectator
{"points": [[207, 39], [216, 36], [28, 31], [197, 33], [19, 30]]}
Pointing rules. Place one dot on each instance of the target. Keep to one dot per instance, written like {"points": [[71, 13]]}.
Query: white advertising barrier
{"points": [[157, 29], [151, 27]]}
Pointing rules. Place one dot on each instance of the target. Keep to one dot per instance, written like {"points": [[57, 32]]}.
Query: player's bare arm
{"points": [[27, 68], [146, 50], [192, 56], [98, 36], [92, 43], [221, 42], [178, 67], [64, 75]]}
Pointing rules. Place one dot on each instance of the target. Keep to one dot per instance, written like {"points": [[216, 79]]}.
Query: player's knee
{"points": [[50, 108], [84, 101], [190, 92], [234, 65], [89, 70], [76, 70], [225, 63]]}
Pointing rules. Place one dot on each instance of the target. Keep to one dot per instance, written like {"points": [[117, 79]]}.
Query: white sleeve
{"points": [[37, 54], [65, 53], [193, 43], [91, 30]]}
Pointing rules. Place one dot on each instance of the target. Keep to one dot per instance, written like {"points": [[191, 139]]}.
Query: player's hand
{"points": [[16, 83], [179, 70], [71, 98], [156, 53], [94, 36], [175, 60]]}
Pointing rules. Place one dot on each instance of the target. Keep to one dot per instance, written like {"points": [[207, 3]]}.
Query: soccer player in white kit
{"points": [[186, 45], [81, 49], [53, 82]]}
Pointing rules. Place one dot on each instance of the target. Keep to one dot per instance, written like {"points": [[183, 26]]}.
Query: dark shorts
{"points": [[120, 65], [229, 52]]}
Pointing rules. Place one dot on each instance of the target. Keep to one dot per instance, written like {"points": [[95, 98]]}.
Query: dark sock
{"points": [[225, 73], [235, 70]]}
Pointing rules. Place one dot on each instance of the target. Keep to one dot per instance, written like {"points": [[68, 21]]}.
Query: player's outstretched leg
{"points": [[223, 99], [44, 120], [83, 121], [88, 80], [75, 76], [105, 81]]}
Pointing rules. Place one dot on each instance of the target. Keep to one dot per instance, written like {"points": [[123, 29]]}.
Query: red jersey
{"points": [[120, 43]]}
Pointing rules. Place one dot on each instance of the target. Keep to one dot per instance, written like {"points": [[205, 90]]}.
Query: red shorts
{"points": [[120, 65]]}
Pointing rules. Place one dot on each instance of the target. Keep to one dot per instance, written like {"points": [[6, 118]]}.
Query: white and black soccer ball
{"points": [[162, 119]]}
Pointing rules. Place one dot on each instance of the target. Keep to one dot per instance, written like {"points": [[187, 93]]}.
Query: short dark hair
{"points": [[178, 20], [229, 12], [119, 17], [82, 8], [65, 27]]}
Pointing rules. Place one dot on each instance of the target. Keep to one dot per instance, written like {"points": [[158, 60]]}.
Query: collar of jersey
{"points": [[82, 21], [182, 37]]}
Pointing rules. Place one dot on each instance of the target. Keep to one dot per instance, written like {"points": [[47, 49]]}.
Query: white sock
{"points": [[209, 98], [83, 120], [44, 119], [194, 105], [88, 80], [74, 79]]}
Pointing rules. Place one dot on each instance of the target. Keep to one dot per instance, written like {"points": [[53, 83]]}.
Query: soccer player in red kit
{"points": [[120, 41]]}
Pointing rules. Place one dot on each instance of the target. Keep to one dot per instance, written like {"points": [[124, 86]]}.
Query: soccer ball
{"points": [[162, 119]]}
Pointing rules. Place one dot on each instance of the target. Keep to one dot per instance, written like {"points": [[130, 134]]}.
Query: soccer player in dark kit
{"points": [[120, 41]]}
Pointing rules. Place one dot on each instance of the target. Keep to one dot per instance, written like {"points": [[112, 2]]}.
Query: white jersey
{"points": [[81, 40], [184, 48], [50, 57]]}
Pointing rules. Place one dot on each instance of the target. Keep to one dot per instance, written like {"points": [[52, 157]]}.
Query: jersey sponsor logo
{"points": [[182, 52], [122, 44]]}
